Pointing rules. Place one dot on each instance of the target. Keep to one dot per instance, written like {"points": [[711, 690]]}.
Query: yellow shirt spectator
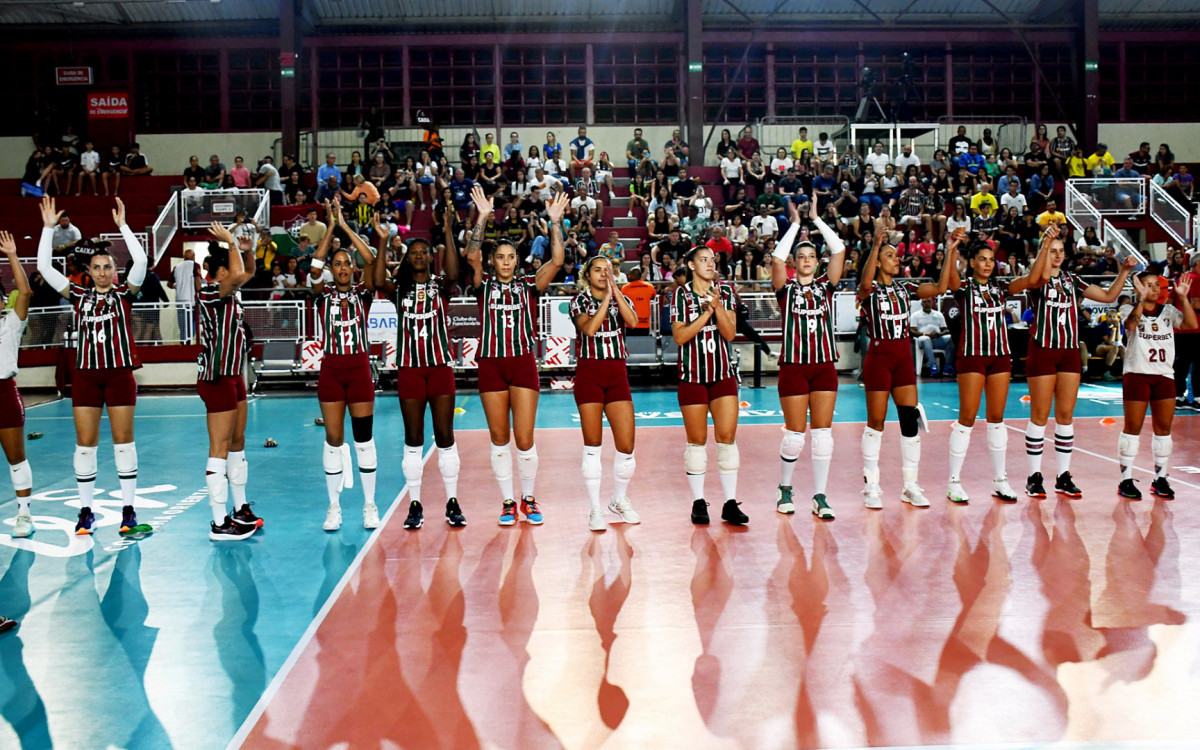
{"points": [[491, 148], [1046, 218], [979, 199], [1076, 167], [1106, 159], [800, 146]]}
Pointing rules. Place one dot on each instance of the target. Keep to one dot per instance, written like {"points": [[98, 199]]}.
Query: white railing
{"points": [[1080, 211], [219, 205], [1169, 215], [1122, 196], [165, 227], [276, 320], [120, 252], [1117, 239], [262, 217]]}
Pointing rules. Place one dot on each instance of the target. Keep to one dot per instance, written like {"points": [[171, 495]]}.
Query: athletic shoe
{"points": [[229, 531], [333, 518], [22, 526], [530, 508], [933, 371], [7, 624], [454, 514], [243, 516], [1180, 403], [416, 516], [1064, 486], [949, 371], [873, 496], [733, 515], [625, 510], [86, 519], [820, 507], [128, 519], [508, 513], [955, 492], [915, 496], [370, 516], [596, 520], [1034, 486], [783, 500], [1128, 489], [1160, 486], [700, 513], [1004, 491]]}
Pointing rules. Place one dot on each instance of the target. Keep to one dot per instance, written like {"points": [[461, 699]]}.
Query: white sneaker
{"points": [[22, 526], [596, 520], [1004, 491], [955, 492], [625, 510], [370, 516], [783, 500], [915, 496], [333, 518], [873, 495]]}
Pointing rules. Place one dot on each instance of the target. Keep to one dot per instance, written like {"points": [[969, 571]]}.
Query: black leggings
{"points": [[442, 409]]}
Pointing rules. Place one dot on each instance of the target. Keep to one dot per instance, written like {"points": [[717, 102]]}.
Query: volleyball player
{"points": [[508, 373], [345, 382], [423, 374], [12, 409], [703, 326], [104, 359], [1053, 365], [808, 380], [221, 384], [1150, 376], [601, 313], [888, 365]]}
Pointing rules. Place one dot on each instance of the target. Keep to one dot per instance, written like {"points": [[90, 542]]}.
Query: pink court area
{"points": [[958, 625]]}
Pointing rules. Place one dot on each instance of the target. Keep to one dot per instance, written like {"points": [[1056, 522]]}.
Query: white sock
{"points": [[789, 451], [448, 464], [218, 488], [413, 470], [22, 505], [527, 467], [696, 473], [592, 472], [367, 462], [125, 456], [1160, 446], [85, 473], [502, 469], [997, 440], [1127, 450], [727, 468], [1035, 436], [910, 456], [238, 470], [822, 455], [960, 441], [1064, 443], [871, 441], [331, 459], [623, 467], [22, 481]]}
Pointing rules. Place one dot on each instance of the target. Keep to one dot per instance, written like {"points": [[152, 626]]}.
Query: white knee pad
{"points": [[1161, 445], [695, 459], [789, 449], [448, 462], [1127, 445], [997, 436], [960, 439], [591, 467], [366, 455], [728, 458], [237, 468], [125, 455], [822, 442], [527, 463], [22, 476], [623, 466], [501, 462], [331, 458], [412, 465], [85, 463]]}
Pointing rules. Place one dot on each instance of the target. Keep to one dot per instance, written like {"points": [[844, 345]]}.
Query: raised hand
{"points": [[1182, 286], [483, 204], [557, 207], [793, 212], [1130, 263], [1140, 289], [118, 213], [812, 207], [50, 216], [1050, 234], [245, 244], [8, 245], [220, 233]]}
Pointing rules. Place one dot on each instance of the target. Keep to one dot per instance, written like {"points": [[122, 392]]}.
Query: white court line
{"points": [[286, 668]]}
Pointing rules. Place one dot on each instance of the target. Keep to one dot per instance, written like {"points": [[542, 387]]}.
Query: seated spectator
{"points": [[1051, 216], [693, 225], [613, 249], [491, 176], [771, 200], [193, 169], [268, 179], [907, 159], [929, 330], [747, 144], [469, 149], [380, 170], [1108, 264], [824, 187], [801, 144], [719, 243], [604, 172], [489, 147], [1100, 157], [241, 176], [329, 179], [664, 199], [678, 146], [1127, 192], [756, 174], [986, 223], [89, 167], [399, 192], [959, 219], [781, 163], [292, 190], [1187, 185], [673, 246], [460, 191], [732, 174], [659, 225], [790, 189], [1009, 176], [878, 159], [214, 174], [362, 187], [940, 161], [65, 235], [912, 207], [704, 205], [636, 150], [960, 144], [1041, 188], [1012, 198], [824, 149], [583, 151], [1006, 160], [1142, 158], [683, 189], [583, 201], [984, 196], [192, 199], [972, 160], [1076, 165], [764, 224], [1035, 159], [63, 172], [851, 166], [846, 204], [737, 233]]}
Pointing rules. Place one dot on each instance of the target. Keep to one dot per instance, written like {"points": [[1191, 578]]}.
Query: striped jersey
{"points": [[422, 334], [886, 309], [706, 358], [807, 311], [609, 341], [342, 319], [222, 336], [984, 332], [1150, 349], [1056, 311], [508, 313], [103, 322]]}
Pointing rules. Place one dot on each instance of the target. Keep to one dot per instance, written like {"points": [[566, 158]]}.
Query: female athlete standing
{"points": [[602, 385], [423, 375], [808, 381], [703, 325], [104, 359], [888, 365], [1150, 377], [222, 385], [508, 374], [345, 381], [12, 409], [1053, 366]]}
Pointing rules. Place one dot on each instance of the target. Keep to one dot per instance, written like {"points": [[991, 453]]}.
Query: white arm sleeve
{"points": [[45, 262], [832, 241], [784, 247], [137, 274]]}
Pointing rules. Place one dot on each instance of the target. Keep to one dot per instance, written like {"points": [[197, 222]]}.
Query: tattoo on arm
{"points": [[476, 240]]}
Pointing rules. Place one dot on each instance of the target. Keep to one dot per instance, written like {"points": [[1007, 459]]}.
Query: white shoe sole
{"points": [[920, 502], [597, 523], [629, 516]]}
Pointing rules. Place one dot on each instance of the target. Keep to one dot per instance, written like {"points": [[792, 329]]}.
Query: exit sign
{"points": [[695, 67], [1091, 66]]}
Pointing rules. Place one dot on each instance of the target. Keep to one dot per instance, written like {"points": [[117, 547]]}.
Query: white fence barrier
{"points": [[1169, 215]]}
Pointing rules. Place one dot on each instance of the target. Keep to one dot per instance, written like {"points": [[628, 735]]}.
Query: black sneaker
{"points": [[454, 514], [128, 519], [244, 517], [416, 516], [1064, 486], [229, 531], [1034, 487], [1161, 487], [1128, 489], [84, 525], [700, 513], [733, 515]]}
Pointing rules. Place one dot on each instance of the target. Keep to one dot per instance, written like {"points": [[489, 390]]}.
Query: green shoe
{"points": [[820, 507], [783, 500]]}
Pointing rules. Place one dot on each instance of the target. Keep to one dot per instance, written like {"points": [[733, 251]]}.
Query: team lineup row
{"points": [[704, 327]]}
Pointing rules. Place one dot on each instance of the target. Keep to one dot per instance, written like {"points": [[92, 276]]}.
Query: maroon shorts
{"points": [[110, 386], [1147, 388], [1042, 361], [12, 408], [801, 380], [983, 365], [601, 381], [502, 373], [223, 394], [424, 383], [888, 365], [345, 377], [691, 394]]}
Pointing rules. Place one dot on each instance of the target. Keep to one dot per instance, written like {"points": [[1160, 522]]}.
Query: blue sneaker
{"points": [[530, 509], [84, 524], [128, 519], [933, 371], [508, 515]]}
